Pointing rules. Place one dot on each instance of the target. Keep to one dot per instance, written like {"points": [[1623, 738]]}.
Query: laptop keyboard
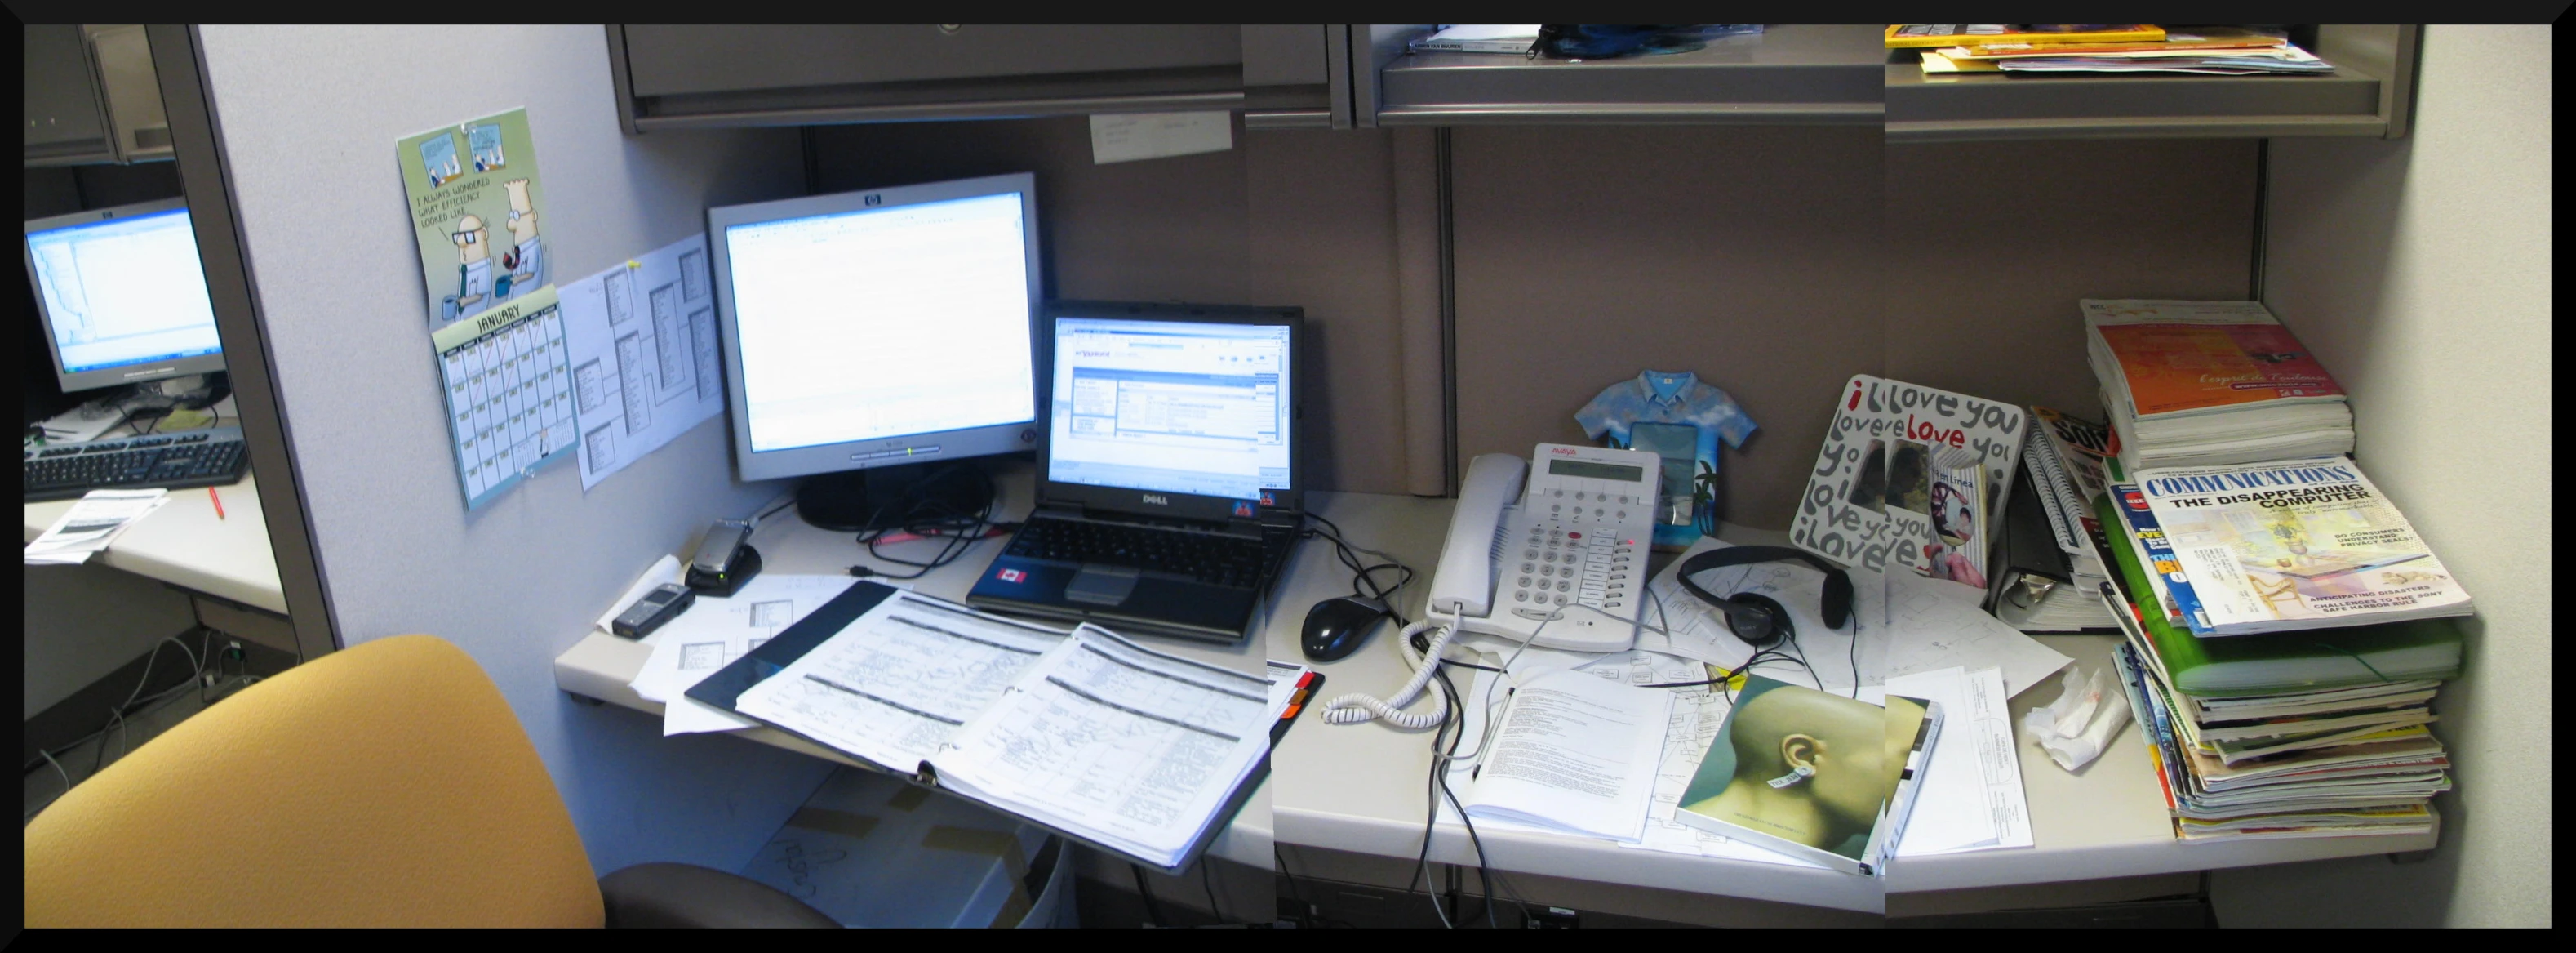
{"points": [[1206, 557]]}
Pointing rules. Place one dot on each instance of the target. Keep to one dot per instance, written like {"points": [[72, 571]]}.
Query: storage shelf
{"points": [[1789, 75], [2365, 96]]}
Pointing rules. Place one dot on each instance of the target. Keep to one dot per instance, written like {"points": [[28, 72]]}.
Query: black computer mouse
{"points": [[1336, 627]]}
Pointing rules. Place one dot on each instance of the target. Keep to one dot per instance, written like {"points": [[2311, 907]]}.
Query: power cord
{"points": [[924, 516], [1363, 574], [1153, 910]]}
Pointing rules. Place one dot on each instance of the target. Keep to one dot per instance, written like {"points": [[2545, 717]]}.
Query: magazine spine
{"points": [[2161, 562]]}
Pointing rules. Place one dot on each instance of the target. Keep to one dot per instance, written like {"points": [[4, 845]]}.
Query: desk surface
{"points": [[601, 665], [185, 544], [1360, 788]]}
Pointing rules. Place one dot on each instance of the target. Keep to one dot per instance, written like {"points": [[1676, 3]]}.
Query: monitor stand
{"points": [[889, 497]]}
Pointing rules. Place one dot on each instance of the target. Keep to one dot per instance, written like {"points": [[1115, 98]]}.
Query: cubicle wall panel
{"points": [[1292, 218], [1158, 230], [1749, 256], [1991, 244], [308, 119]]}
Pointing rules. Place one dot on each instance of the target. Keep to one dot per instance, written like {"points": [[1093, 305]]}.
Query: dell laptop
{"points": [[1167, 489]]}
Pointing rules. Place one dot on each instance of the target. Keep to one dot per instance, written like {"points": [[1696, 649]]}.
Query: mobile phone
{"points": [[661, 605]]}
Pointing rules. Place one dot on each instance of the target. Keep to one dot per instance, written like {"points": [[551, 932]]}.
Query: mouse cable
{"points": [[1364, 580]]}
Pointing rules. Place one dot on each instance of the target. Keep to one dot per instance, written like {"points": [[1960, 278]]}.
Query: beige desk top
{"points": [[601, 665], [185, 544], [1360, 788]]}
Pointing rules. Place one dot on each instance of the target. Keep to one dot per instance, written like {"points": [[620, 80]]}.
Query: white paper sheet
{"points": [[900, 679], [1136, 748], [713, 633], [645, 365], [1575, 753], [91, 524], [1932, 631], [1926, 629], [1972, 795], [1126, 137]]}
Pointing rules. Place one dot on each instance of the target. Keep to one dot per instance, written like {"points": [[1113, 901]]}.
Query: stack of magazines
{"points": [[2286, 627], [2300, 734], [2210, 383]]}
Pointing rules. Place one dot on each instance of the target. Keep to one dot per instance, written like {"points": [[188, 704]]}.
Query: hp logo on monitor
{"points": [[874, 200]]}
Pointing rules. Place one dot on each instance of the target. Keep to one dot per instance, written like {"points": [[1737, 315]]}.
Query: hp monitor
{"points": [[122, 295], [880, 328]]}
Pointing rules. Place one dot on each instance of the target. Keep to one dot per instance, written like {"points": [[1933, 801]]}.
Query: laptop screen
{"points": [[1171, 406]]}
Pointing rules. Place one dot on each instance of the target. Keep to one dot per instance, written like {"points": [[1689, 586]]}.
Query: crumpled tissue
{"points": [[2079, 724]]}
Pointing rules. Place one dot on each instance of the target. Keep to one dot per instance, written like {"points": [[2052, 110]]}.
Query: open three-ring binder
{"points": [[1133, 751]]}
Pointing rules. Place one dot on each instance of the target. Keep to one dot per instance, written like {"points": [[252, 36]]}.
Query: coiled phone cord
{"points": [[1358, 707]]}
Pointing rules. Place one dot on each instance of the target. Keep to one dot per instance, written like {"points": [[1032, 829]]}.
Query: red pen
{"points": [[219, 503]]}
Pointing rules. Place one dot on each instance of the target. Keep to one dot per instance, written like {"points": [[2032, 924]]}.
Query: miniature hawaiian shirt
{"points": [[1673, 397]]}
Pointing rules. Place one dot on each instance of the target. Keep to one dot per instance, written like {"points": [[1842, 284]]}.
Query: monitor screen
{"points": [[1168, 406], [880, 320], [123, 295]]}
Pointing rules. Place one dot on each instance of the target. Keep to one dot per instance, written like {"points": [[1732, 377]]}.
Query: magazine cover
{"points": [[2296, 544], [1816, 776], [1878, 456], [2181, 357]]}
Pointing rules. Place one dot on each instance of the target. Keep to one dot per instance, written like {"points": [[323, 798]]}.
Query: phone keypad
{"points": [[1575, 567]]}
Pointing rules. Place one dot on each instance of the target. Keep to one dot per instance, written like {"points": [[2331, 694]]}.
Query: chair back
{"points": [[388, 784]]}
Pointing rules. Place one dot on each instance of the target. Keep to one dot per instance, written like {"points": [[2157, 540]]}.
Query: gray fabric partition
{"points": [[309, 120]]}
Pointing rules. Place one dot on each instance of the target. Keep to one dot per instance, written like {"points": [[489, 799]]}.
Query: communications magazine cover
{"points": [[2296, 544]]}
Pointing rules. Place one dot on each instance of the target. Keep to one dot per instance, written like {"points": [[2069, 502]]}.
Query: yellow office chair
{"points": [[385, 785]]}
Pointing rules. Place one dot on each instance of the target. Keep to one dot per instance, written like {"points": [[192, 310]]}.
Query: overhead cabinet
{"points": [[673, 77], [2368, 95], [92, 96], [1789, 74]]}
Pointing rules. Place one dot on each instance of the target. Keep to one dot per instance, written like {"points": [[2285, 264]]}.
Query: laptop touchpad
{"points": [[1101, 585]]}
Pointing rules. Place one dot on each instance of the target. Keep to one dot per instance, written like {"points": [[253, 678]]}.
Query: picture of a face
{"points": [[1869, 482], [1806, 766], [1954, 516], [1909, 477]]}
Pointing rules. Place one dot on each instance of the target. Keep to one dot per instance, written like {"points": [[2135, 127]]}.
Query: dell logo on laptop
{"points": [[1156, 499]]}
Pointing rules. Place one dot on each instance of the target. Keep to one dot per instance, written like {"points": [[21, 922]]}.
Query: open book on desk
{"points": [[1131, 750]]}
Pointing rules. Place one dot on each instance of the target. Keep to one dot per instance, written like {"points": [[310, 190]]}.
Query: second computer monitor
{"points": [[882, 327], [123, 295]]}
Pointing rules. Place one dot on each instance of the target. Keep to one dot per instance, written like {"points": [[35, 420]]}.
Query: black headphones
{"points": [[1761, 621]]}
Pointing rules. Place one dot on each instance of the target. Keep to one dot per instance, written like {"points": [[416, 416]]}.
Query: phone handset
{"points": [[1463, 589], [1464, 584]]}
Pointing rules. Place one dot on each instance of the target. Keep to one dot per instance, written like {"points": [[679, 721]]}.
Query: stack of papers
{"points": [[2223, 51], [91, 524]]}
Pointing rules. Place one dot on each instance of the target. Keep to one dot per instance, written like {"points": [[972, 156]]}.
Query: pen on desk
{"points": [[219, 503]]}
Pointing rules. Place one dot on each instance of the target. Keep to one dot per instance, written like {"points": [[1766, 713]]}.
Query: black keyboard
{"points": [[1207, 557], [210, 457]]}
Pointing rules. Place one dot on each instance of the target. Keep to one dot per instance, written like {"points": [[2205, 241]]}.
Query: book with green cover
{"points": [[2280, 662]]}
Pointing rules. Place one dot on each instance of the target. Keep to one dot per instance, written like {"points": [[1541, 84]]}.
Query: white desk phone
{"points": [[1558, 563], [1577, 535]]}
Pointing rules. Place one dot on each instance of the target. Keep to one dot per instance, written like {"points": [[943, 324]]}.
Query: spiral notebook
{"points": [[1138, 752]]}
